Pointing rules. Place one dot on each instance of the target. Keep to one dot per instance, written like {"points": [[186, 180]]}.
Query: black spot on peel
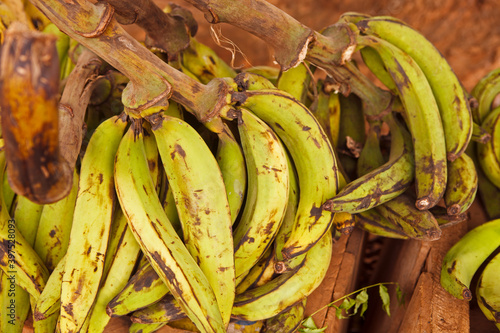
{"points": [[451, 268], [404, 81], [244, 240], [79, 288], [178, 150], [174, 286], [151, 165], [52, 233], [100, 177], [362, 25], [316, 212], [146, 280], [269, 227], [316, 143], [69, 309]]}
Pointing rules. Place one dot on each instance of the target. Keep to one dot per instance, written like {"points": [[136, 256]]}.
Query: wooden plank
{"points": [[445, 312], [323, 294], [347, 279], [403, 265], [416, 320]]}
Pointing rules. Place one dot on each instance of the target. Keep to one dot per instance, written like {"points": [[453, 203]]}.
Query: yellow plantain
{"points": [[312, 154], [194, 176], [422, 117], [288, 288], [267, 194], [158, 240], [94, 208]]}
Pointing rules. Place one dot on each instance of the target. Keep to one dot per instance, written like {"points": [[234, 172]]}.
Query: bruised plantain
{"points": [[29, 86]]}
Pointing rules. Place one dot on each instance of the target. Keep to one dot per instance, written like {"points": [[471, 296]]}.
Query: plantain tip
{"points": [[423, 203], [467, 294], [453, 209]]}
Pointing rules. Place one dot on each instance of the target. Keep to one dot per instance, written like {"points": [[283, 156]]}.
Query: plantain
{"points": [[93, 214], [158, 240], [295, 81], [122, 254], [449, 94], [267, 194], [312, 155], [327, 111], [259, 274], [488, 292], [488, 154], [485, 91], [465, 257], [144, 288], [462, 185], [204, 63], [145, 328], [166, 310], [29, 85], [351, 133], [382, 183], [49, 302], [371, 221], [268, 72], [422, 117], [194, 175], [251, 81], [288, 288], [287, 321], [232, 166], [18, 261], [56, 220]]}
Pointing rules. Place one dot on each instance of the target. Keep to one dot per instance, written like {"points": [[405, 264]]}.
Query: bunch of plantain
{"points": [[201, 223], [411, 164]]}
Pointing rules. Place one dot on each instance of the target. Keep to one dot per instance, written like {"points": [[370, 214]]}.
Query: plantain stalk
{"points": [[152, 81]]}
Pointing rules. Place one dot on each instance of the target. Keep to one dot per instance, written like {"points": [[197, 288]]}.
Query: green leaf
{"points": [[309, 323], [400, 295], [347, 303], [386, 300], [338, 312], [309, 326], [361, 301], [363, 309]]}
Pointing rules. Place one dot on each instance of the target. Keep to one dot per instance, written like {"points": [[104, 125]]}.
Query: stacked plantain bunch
{"points": [[424, 181], [476, 254], [175, 211]]}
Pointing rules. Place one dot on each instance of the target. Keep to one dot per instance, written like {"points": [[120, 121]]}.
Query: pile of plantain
{"points": [[155, 181]]}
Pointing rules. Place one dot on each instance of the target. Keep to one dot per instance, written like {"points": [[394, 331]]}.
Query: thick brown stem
{"points": [[168, 32], [294, 42], [152, 81], [350, 79], [288, 37], [73, 104]]}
